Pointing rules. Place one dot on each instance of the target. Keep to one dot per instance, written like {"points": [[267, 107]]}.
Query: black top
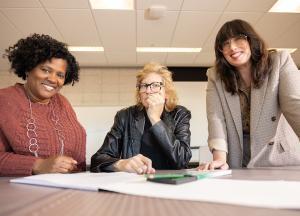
{"points": [[151, 149]]}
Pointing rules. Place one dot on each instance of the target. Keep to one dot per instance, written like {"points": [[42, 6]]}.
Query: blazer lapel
{"points": [[233, 102], [257, 100]]}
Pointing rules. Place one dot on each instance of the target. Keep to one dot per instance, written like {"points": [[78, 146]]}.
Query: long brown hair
{"points": [[260, 59], [166, 75]]}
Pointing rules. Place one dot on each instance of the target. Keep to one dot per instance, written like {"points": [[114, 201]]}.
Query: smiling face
{"points": [[45, 80], [151, 78], [237, 52]]}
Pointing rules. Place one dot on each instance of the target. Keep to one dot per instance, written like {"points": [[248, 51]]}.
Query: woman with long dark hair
{"points": [[253, 102]]}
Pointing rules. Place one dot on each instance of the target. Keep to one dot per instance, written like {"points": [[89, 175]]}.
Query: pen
{"points": [[208, 174], [163, 176], [199, 176]]}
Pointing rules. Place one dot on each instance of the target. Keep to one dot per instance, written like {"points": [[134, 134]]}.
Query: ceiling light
{"points": [[290, 50], [112, 4], [167, 49], [286, 6], [85, 49]]}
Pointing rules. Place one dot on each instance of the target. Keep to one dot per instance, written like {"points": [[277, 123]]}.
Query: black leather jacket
{"points": [[123, 141]]}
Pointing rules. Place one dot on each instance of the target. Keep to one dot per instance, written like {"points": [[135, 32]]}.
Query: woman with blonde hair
{"points": [[153, 134]]}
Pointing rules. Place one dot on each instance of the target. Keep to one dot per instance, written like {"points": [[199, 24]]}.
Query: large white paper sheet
{"points": [[82, 181], [270, 194]]}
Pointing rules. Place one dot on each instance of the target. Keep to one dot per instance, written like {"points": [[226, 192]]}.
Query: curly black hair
{"points": [[27, 53]]}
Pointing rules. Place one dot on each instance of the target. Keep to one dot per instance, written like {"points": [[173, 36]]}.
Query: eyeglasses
{"points": [[238, 40], [154, 87]]}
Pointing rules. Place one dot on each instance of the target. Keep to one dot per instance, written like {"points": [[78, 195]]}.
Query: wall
{"points": [[101, 92]]}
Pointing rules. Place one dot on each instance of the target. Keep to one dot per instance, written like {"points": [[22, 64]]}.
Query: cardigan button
{"points": [[271, 143], [273, 118]]}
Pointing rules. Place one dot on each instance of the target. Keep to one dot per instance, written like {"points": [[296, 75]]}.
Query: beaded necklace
{"points": [[33, 136]]}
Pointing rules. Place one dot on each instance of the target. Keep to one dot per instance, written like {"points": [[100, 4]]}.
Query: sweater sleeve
{"points": [[81, 147], [12, 164]]}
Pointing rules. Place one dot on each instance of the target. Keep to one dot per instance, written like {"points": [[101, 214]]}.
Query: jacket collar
{"points": [[139, 116], [233, 102], [168, 119], [257, 99]]}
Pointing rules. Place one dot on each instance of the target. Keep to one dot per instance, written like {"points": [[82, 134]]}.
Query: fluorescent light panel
{"points": [[286, 6], [85, 49], [167, 49], [290, 50], [112, 4]]}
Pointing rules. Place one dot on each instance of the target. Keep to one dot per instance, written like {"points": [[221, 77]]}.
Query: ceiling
{"points": [[187, 23]]}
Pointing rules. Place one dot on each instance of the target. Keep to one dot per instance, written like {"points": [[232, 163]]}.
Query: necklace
{"points": [[33, 136]]}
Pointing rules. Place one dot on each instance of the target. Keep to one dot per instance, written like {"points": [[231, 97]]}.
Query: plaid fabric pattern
{"points": [[274, 117]]}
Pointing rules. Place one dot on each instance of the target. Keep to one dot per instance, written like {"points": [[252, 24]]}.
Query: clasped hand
{"points": [[156, 104], [55, 164]]}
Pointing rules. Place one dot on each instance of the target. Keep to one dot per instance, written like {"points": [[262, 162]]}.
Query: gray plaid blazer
{"points": [[274, 117]]}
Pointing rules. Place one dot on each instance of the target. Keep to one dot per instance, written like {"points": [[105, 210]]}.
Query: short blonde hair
{"points": [[166, 75]]}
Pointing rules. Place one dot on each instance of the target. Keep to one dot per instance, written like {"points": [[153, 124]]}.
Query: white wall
{"points": [[97, 120], [192, 95], [101, 92]]}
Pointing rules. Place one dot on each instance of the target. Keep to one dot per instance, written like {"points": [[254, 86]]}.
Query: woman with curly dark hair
{"points": [[253, 102], [39, 131]]}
